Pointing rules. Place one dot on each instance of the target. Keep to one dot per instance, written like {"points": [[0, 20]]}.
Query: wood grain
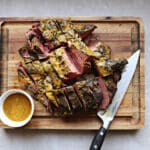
{"points": [[123, 34]]}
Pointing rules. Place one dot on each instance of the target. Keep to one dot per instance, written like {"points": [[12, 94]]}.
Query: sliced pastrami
{"points": [[56, 64], [106, 99], [104, 52], [73, 99], [22, 70], [86, 96]]}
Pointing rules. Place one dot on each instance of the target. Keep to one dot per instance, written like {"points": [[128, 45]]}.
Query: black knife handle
{"points": [[98, 139]]}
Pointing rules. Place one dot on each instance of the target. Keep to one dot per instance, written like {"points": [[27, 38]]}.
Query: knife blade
{"points": [[108, 115]]}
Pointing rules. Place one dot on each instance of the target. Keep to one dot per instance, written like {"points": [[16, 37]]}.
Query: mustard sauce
{"points": [[17, 107]]}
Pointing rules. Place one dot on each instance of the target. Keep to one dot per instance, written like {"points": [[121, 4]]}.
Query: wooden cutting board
{"points": [[123, 34]]}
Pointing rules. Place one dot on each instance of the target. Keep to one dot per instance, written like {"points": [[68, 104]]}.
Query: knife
{"points": [[108, 115]]}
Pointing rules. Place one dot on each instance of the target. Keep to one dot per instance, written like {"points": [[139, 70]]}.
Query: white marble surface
{"points": [[79, 140]]}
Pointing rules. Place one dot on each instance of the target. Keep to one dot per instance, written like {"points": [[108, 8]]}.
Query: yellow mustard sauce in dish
{"points": [[17, 107]]}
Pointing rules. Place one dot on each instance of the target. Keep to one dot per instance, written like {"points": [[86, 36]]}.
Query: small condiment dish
{"points": [[3, 116]]}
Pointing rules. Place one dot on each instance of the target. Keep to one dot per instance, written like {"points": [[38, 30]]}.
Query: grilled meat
{"points": [[100, 49], [23, 76], [36, 41], [86, 96], [33, 86], [42, 98], [96, 89], [52, 29], [48, 29], [27, 54], [106, 99], [63, 64], [50, 71], [35, 67], [81, 60], [104, 65], [36, 44], [84, 30], [65, 70], [80, 45], [108, 67], [111, 86], [51, 97], [50, 34], [64, 107], [73, 99]]}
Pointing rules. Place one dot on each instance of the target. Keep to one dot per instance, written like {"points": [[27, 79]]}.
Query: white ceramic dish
{"points": [[4, 118]]}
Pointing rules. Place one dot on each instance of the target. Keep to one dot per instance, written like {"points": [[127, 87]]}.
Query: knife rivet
{"points": [[101, 133], [95, 147]]}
